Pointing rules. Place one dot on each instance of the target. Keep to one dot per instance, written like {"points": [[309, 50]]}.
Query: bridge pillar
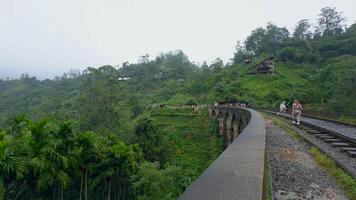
{"points": [[221, 126], [211, 112], [228, 133], [236, 129], [230, 123]]}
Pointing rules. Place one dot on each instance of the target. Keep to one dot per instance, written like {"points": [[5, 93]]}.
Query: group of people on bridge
{"points": [[296, 110]]}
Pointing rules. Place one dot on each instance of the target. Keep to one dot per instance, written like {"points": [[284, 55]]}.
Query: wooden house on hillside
{"points": [[266, 66]]}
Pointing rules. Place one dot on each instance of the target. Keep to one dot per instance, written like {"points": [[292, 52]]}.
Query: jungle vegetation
{"points": [[101, 134]]}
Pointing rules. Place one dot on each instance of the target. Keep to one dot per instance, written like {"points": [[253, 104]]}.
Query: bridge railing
{"points": [[238, 173]]}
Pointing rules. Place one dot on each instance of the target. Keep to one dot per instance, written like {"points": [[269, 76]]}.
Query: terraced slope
{"points": [[194, 142]]}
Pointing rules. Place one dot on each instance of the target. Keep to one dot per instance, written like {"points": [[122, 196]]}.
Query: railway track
{"points": [[338, 135]]}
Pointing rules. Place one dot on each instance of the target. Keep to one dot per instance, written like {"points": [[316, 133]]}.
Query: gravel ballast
{"points": [[294, 173], [335, 153]]}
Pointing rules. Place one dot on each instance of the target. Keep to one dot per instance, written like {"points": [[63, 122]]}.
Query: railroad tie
{"points": [[313, 131], [351, 153], [329, 140], [348, 148], [324, 136], [340, 144]]}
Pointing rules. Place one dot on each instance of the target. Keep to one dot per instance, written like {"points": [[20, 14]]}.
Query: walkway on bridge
{"points": [[238, 173]]}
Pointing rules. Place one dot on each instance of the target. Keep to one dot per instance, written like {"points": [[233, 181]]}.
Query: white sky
{"points": [[48, 37]]}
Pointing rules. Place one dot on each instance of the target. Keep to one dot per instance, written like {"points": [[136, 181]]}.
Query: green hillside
{"points": [[194, 142], [109, 127], [186, 141]]}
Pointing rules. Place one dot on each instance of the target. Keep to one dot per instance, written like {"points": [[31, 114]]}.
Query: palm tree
{"points": [[13, 163], [89, 145], [118, 161], [49, 162], [41, 159]]}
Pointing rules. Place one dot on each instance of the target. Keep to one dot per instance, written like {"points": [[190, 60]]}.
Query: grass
{"points": [[282, 124], [347, 119], [268, 186], [194, 142], [344, 179], [284, 82]]}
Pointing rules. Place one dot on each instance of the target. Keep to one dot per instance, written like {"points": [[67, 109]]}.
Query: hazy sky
{"points": [[48, 37]]}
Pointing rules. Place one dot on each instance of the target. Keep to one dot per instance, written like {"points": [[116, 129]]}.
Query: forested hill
{"points": [[88, 131], [319, 69]]}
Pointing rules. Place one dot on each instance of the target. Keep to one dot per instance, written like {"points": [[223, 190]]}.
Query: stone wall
{"points": [[238, 173]]}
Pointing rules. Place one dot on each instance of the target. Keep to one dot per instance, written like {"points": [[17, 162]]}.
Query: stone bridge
{"points": [[232, 120], [238, 173]]}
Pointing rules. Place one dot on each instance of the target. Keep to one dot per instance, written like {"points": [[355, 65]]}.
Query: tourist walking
{"points": [[297, 111], [282, 108]]}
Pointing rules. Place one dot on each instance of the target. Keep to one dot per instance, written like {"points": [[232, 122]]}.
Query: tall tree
{"points": [[302, 29], [241, 53], [89, 147], [266, 40], [254, 42], [217, 64], [148, 138], [98, 99], [330, 21], [274, 37], [13, 164]]}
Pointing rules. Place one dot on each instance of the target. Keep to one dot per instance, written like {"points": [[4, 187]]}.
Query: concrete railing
{"points": [[238, 173]]}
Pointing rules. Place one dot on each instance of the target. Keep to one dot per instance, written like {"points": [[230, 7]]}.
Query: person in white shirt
{"points": [[282, 108]]}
